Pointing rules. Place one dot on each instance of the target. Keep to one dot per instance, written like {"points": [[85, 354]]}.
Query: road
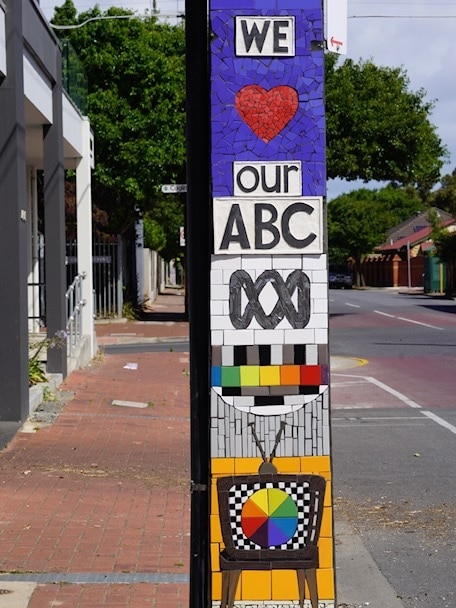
{"points": [[393, 403]]}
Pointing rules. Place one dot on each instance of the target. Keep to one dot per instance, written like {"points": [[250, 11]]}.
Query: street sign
{"points": [[174, 188], [336, 26]]}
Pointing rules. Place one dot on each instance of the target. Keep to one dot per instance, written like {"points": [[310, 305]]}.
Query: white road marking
{"points": [[352, 305], [353, 425], [419, 323], [440, 421], [342, 384], [393, 392], [403, 398], [384, 387], [384, 314]]}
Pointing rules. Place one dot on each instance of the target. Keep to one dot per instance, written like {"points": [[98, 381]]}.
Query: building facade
{"points": [[40, 130]]}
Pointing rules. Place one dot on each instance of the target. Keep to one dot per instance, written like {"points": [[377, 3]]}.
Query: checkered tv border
{"points": [[307, 492]]}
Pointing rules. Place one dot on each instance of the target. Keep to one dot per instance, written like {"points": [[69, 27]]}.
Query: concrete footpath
{"points": [[94, 490]]}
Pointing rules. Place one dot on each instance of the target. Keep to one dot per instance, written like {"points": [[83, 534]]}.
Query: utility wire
{"points": [[401, 16]]}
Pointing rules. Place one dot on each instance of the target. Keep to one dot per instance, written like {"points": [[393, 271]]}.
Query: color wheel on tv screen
{"points": [[269, 517]]}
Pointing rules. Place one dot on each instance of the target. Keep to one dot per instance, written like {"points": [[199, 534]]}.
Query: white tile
{"points": [[318, 290], [219, 292], [269, 336], [220, 322], [225, 262], [216, 277], [227, 355], [314, 262], [320, 305], [326, 444], [227, 274], [216, 338], [216, 307], [312, 354], [256, 262], [317, 321], [299, 336], [239, 336], [276, 354], [289, 262], [326, 419], [321, 336], [319, 276]]}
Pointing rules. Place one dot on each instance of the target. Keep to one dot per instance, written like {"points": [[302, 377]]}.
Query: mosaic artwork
{"points": [[271, 510]]}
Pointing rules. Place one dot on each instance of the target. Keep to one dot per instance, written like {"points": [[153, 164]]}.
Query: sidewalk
{"points": [[98, 492]]}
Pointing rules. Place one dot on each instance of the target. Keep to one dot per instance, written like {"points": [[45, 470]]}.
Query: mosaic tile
{"points": [[269, 291]]}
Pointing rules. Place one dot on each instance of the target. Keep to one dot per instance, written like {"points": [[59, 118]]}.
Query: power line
{"points": [[401, 16]]}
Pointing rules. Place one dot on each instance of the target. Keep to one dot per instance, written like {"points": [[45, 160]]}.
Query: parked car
{"points": [[339, 276]]}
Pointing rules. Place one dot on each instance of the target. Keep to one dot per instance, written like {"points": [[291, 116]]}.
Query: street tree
{"points": [[445, 197], [377, 129], [444, 238], [359, 221], [136, 104]]}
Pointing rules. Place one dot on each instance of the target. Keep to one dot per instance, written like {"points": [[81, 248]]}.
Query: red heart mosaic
{"points": [[267, 112]]}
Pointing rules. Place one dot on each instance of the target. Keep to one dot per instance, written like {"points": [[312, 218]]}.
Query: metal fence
{"points": [[107, 279], [107, 276], [75, 302]]}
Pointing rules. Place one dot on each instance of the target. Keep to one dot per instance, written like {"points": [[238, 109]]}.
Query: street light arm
{"points": [[102, 17], [73, 27]]}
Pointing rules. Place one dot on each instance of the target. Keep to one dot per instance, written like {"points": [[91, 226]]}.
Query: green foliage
{"points": [[154, 235], [445, 197], [445, 249], [444, 240], [445, 246], [136, 104], [37, 372], [377, 129], [359, 221], [169, 213], [130, 311]]}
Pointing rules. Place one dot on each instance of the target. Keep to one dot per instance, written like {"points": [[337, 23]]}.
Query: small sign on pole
{"points": [[174, 188], [182, 236], [336, 26]]}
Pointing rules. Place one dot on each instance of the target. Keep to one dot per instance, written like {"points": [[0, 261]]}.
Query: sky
{"points": [[417, 35]]}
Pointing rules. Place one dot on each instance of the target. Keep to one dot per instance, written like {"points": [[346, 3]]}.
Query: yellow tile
{"points": [[328, 495], [216, 530], [215, 557], [250, 375], [316, 465], [256, 585], [325, 583], [269, 375], [214, 500], [217, 586], [326, 554], [326, 529], [288, 465], [222, 466], [284, 585], [246, 466]]}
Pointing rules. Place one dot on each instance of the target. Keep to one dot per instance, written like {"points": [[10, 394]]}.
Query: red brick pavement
{"points": [[105, 489]]}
